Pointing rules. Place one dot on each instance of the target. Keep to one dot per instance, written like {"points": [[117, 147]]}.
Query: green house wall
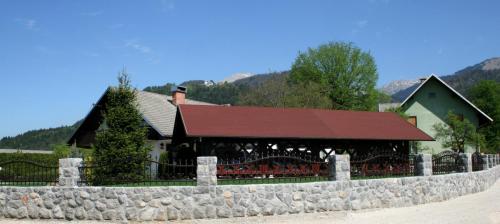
{"points": [[433, 110]]}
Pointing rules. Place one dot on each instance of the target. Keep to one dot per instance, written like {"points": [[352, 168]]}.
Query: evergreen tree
{"points": [[121, 149]]}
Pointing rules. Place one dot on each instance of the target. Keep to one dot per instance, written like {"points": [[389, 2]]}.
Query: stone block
{"points": [[339, 167], [423, 165]]}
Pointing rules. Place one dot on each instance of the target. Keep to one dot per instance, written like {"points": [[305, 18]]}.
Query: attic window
{"points": [[432, 95]]}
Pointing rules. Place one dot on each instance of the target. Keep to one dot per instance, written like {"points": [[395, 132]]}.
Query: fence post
{"points": [[467, 161], [485, 162], [206, 171], [423, 165], [69, 175], [339, 167]]}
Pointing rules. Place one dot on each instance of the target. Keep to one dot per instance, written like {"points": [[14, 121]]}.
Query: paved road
{"points": [[478, 208]]}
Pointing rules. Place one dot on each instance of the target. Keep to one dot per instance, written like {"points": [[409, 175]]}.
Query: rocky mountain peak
{"points": [[491, 64]]}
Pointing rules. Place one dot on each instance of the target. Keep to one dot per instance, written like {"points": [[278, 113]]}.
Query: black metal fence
{"points": [[151, 173], [272, 168], [27, 173], [383, 165], [477, 161], [447, 162]]}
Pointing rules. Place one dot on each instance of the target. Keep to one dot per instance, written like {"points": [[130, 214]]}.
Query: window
{"points": [[432, 95], [412, 120]]}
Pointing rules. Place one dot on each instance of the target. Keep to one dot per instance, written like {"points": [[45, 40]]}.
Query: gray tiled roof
{"points": [[159, 112]]}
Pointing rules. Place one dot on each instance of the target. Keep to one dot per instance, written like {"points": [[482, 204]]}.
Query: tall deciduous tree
{"points": [[345, 73], [278, 92], [121, 148], [486, 96], [457, 133]]}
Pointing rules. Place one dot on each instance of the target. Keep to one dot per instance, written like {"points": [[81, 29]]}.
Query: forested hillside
{"points": [[41, 139]]}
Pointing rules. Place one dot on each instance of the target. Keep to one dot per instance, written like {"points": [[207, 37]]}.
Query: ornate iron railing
{"points": [[271, 168], [447, 162], [27, 173], [477, 161], [151, 173], [383, 165]]}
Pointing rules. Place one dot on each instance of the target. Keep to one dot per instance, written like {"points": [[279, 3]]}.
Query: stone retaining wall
{"points": [[172, 203]]}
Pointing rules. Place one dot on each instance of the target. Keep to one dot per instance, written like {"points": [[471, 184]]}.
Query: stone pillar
{"points": [[69, 175], [206, 171], [486, 162], [467, 161], [423, 165], [339, 167]]}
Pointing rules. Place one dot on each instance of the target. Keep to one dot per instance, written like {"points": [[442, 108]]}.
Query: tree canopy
{"points": [[486, 96], [457, 133], [343, 72]]}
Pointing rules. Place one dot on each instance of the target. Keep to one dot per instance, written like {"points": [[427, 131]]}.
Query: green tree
{"points": [[278, 92], [457, 133], [384, 97], [121, 149], [399, 111], [486, 96], [346, 74], [61, 150]]}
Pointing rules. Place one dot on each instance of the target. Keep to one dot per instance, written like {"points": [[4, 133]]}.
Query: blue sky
{"points": [[57, 57]]}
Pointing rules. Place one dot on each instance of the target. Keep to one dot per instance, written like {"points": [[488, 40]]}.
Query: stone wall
{"points": [[173, 203]]}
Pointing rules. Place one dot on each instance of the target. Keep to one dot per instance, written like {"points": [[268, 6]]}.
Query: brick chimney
{"points": [[179, 95]]}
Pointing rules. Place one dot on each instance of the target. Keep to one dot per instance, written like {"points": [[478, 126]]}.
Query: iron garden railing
{"points": [[383, 165], [271, 168], [477, 161], [149, 173], [27, 173], [447, 162]]}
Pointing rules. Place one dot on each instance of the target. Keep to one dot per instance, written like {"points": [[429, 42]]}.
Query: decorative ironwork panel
{"points": [[447, 162], [386, 164], [27, 173], [271, 168], [477, 161]]}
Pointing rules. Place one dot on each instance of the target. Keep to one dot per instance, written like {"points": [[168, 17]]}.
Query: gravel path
{"points": [[477, 208]]}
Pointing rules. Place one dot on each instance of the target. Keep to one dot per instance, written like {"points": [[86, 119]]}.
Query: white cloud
{"points": [[150, 56], [362, 23], [440, 51], [30, 24], [138, 47], [91, 54], [117, 26], [45, 50], [167, 5], [92, 14]]}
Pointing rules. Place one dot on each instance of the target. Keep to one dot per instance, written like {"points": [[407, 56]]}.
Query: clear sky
{"points": [[57, 57]]}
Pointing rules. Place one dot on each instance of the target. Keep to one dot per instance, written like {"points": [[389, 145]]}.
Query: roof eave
{"points": [[450, 88]]}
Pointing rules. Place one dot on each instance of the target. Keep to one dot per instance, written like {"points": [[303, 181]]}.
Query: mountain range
{"points": [[230, 89]]}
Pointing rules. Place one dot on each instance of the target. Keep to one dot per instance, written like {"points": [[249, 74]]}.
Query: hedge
{"points": [[39, 158]]}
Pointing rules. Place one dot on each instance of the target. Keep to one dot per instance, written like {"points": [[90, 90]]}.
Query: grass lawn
{"points": [[27, 184]]}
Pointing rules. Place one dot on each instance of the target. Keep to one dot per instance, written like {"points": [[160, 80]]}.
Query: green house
{"points": [[430, 103]]}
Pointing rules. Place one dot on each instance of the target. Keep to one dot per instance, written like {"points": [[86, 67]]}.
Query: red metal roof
{"points": [[264, 122]]}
